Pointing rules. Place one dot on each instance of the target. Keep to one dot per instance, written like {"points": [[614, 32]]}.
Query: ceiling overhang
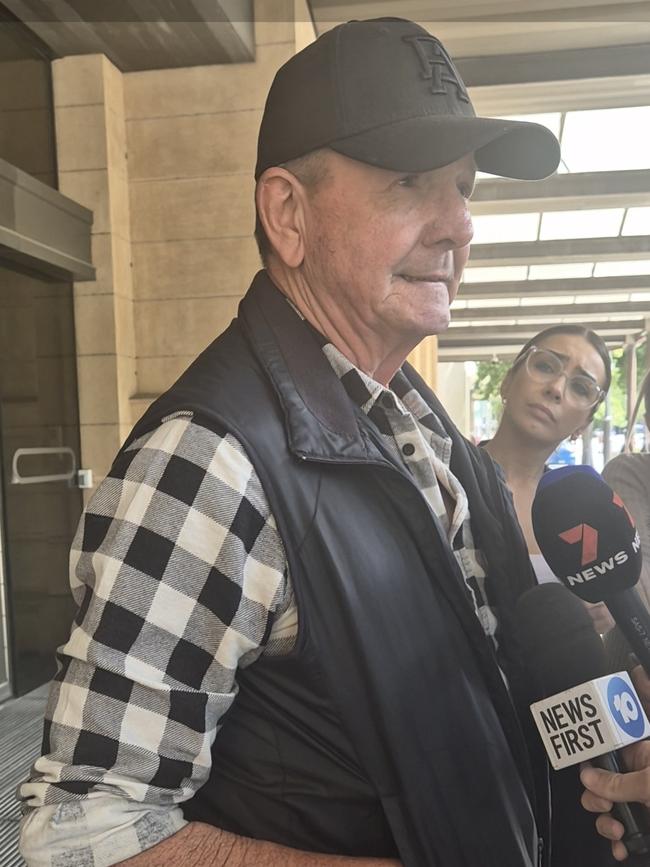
{"points": [[144, 34]]}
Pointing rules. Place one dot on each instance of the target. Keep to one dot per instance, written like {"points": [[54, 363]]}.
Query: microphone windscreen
{"points": [[561, 647], [585, 533]]}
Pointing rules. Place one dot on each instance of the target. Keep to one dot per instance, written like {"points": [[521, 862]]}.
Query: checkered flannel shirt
{"points": [[181, 578]]}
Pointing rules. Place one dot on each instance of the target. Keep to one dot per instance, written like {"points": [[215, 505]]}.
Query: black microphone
{"points": [[562, 651], [590, 542]]}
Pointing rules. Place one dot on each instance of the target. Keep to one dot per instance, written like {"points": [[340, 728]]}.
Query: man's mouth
{"points": [[423, 278]]}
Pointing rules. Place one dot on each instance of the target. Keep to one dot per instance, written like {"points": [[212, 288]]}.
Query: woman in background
{"points": [[551, 392]]}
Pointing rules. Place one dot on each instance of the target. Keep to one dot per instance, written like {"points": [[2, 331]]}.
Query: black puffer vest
{"points": [[388, 730]]}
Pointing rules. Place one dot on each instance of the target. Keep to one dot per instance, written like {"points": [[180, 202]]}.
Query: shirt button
{"points": [[408, 449]]}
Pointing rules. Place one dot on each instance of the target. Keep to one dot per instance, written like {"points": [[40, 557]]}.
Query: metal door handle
{"points": [[17, 479]]}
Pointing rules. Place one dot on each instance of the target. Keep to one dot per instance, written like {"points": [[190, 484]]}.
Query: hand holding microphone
{"points": [[582, 713], [589, 540], [604, 790]]}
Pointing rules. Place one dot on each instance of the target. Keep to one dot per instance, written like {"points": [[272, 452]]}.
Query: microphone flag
{"points": [[596, 717]]}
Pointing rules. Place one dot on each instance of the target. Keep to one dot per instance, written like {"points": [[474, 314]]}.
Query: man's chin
{"points": [[435, 323], [416, 323]]}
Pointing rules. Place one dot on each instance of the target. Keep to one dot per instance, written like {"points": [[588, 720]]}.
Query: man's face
{"points": [[386, 250]]}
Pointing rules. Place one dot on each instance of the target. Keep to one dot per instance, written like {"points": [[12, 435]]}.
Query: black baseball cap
{"points": [[386, 92]]}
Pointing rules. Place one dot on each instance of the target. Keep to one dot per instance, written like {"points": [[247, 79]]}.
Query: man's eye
{"points": [[466, 190], [408, 181]]}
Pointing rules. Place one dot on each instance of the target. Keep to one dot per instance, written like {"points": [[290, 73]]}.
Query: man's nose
{"points": [[449, 223]]}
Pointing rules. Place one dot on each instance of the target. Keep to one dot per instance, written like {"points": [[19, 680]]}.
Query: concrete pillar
{"points": [[424, 359], [630, 377], [92, 165], [607, 430], [192, 136]]}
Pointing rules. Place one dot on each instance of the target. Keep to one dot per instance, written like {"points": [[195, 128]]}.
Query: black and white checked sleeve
{"points": [[180, 577]]}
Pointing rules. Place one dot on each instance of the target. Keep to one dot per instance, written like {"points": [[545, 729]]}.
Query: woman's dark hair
{"points": [[580, 331]]}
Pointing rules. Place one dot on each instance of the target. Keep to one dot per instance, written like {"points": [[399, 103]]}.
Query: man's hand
{"points": [[603, 789]]}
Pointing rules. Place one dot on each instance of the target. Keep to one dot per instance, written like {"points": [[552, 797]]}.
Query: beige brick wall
{"points": [[191, 139], [92, 162], [424, 359]]}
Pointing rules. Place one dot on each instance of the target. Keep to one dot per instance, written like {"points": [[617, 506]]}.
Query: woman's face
{"points": [[544, 411]]}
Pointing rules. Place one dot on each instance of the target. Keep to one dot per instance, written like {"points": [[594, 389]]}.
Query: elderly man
{"points": [[294, 642]]}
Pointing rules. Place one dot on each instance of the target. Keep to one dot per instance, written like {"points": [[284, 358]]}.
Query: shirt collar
{"points": [[371, 396]]}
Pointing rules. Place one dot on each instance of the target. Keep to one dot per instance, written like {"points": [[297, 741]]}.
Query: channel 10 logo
{"points": [[625, 708]]}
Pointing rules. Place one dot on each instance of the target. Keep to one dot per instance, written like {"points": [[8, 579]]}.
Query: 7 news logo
{"points": [[588, 536]]}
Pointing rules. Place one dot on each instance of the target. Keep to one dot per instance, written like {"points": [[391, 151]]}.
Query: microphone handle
{"points": [[633, 618], [634, 817]]}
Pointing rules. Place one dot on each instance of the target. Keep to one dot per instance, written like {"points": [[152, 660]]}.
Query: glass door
{"points": [[39, 442], [5, 677], [39, 425]]}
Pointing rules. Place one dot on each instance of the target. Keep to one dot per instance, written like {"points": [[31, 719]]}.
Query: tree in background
{"points": [[489, 376]]}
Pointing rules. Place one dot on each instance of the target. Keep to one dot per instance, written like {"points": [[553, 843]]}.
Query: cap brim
{"points": [[511, 149]]}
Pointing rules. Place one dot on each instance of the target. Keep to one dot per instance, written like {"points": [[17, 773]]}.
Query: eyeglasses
{"points": [[544, 366]]}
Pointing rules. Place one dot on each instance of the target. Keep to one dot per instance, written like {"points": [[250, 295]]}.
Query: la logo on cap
{"points": [[437, 65]]}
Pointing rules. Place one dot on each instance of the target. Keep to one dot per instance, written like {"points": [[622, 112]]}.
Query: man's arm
{"points": [[179, 574], [199, 845]]}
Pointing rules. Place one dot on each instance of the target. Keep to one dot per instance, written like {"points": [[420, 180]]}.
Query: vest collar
{"points": [[322, 422]]}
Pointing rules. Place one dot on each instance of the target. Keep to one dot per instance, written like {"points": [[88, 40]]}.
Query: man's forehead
{"points": [[339, 163]]}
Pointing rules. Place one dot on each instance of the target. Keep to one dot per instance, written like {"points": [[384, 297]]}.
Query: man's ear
{"points": [[279, 197]]}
